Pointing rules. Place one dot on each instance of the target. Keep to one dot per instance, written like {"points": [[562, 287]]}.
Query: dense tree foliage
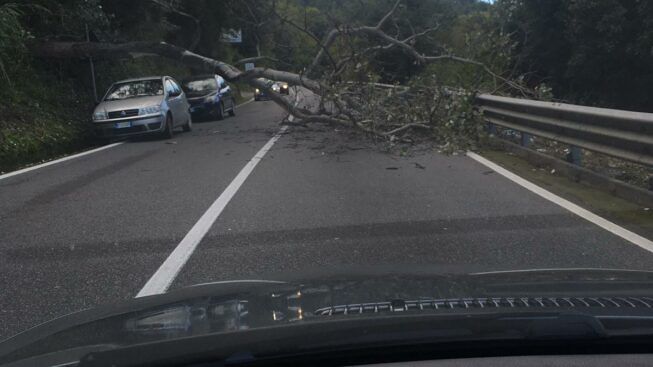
{"points": [[597, 52]]}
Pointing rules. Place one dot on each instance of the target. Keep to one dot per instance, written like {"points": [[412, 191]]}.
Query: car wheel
{"points": [[219, 112], [189, 125], [232, 111], [167, 132]]}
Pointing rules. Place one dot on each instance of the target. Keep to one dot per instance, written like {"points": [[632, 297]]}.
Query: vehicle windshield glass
{"points": [[141, 88], [350, 149], [267, 82], [200, 86]]}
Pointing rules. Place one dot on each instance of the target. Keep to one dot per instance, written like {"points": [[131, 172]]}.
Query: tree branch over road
{"points": [[352, 100], [170, 7]]}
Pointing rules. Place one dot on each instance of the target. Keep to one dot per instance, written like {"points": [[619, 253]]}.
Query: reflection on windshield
{"points": [[314, 140], [200, 86], [268, 83], [141, 88]]}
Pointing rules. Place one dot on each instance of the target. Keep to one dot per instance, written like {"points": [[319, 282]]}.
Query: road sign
{"points": [[249, 66]]}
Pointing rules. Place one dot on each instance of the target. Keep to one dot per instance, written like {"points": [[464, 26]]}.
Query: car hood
{"points": [[129, 103], [231, 306]]}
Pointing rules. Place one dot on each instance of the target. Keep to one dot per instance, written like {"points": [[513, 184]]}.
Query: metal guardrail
{"points": [[622, 134]]}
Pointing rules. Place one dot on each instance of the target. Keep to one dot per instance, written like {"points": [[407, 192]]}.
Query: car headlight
{"points": [[285, 86], [275, 88], [258, 90], [100, 116], [149, 110]]}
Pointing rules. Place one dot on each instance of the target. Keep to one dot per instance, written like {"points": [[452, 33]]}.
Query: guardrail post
{"points": [[491, 128], [525, 139], [575, 155]]}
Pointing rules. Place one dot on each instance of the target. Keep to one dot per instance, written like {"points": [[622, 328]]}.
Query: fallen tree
{"points": [[346, 96]]}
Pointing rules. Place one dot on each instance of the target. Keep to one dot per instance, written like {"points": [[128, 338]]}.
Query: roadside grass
{"points": [[633, 216], [41, 119], [22, 146]]}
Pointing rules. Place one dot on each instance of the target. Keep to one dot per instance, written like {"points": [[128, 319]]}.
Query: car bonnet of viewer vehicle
{"points": [[367, 299]]}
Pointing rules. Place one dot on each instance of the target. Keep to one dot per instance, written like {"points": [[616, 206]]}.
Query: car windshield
{"points": [[140, 88], [317, 161], [266, 82], [200, 86]]}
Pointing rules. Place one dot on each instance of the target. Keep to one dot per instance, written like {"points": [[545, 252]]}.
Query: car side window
{"points": [[170, 89], [221, 83], [176, 87]]}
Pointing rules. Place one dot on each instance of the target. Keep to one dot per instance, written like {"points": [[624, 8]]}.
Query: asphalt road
{"points": [[94, 229]]}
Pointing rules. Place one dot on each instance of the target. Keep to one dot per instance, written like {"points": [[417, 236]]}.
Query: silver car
{"points": [[153, 105]]}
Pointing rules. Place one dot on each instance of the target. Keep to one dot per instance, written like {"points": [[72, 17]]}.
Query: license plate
{"points": [[120, 125]]}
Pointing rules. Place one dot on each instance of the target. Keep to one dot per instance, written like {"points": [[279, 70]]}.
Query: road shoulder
{"points": [[630, 215]]}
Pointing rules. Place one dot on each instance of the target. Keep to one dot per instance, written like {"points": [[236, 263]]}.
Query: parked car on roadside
{"points": [[209, 96], [152, 105]]}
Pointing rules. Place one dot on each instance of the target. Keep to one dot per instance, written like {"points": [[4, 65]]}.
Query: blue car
{"points": [[209, 96]]}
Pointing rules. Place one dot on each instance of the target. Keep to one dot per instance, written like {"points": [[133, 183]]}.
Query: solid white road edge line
{"points": [[244, 103], [167, 272], [32, 168], [583, 213]]}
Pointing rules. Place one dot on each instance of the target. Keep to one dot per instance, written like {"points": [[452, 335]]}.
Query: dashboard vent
{"points": [[500, 302]]}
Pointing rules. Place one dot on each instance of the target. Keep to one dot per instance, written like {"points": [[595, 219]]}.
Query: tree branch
{"points": [[198, 28], [388, 15], [405, 45], [137, 49], [406, 127], [333, 35], [323, 47], [343, 103], [256, 58]]}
